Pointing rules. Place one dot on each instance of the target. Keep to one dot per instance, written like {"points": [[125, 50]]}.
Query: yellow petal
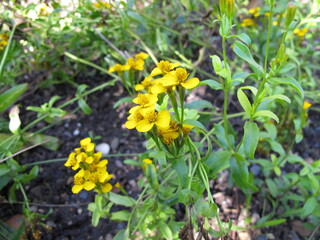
{"points": [[102, 163], [163, 119], [156, 71], [170, 80], [85, 142], [144, 126], [76, 188], [130, 124], [89, 160], [89, 185], [157, 89], [139, 87], [142, 56], [103, 176], [191, 83], [174, 65], [106, 188]]}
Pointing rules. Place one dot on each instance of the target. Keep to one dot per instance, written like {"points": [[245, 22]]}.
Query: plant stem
{"points": [[268, 40], [7, 50]]}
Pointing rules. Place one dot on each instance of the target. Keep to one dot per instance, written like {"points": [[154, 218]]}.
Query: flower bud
{"points": [[290, 15]]}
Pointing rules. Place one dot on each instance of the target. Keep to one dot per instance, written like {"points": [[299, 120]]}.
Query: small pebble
{"points": [[79, 210], [104, 148], [76, 132], [114, 143], [108, 237], [119, 163]]}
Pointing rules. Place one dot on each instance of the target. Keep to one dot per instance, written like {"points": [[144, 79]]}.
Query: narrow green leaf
{"points": [[165, 230], [288, 81], [212, 84], [194, 123], [272, 187], [123, 215], [244, 101], [217, 162], [243, 52], [121, 200], [181, 169], [243, 37], [309, 206], [122, 100], [273, 222], [250, 139], [10, 96], [216, 63], [266, 113], [152, 177], [84, 106], [123, 234]]}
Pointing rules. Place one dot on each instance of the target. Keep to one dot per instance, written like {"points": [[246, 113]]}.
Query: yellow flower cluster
{"points": [[171, 77], [306, 105], [100, 4], [3, 40], [300, 32], [247, 22], [144, 116], [93, 171], [255, 11], [136, 63]]}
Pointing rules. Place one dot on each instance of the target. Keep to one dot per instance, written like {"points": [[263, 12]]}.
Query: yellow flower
{"points": [[247, 22], [163, 67], [145, 100], [144, 85], [119, 68], [3, 40], [275, 23], [72, 161], [137, 64], [306, 105], [300, 32], [168, 134], [151, 118], [142, 56], [186, 129], [87, 145], [133, 120], [107, 187], [179, 77], [255, 11], [267, 14], [100, 4], [118, 185], [145, 162], [84, 180]]}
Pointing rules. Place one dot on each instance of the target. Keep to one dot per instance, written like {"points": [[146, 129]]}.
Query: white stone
{"points": [[104, 148]]}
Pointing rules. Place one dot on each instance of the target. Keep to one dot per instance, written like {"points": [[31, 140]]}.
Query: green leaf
{"points": [[244, 101], [218, 161], [132, 162], [84, 106], [272, 187], [10, 96], [273, 222], [212, 84], [151, 174], [121, 200], [278, 96], [243, 37], [309, 206], [194, 123], [181, 169], [314, 182], [123, 234], [4, 169], [216, 63], [240, 175], [198, 104], [243, 52], [160, 156], [266, 113], [250, 139], [165, 230], [288, 81], [122, 100], [123, 215], [52, 144]]}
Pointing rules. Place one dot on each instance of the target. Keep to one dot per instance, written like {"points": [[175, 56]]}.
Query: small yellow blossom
{"points": [[3, 40], [145, 162], [145, 100], [133, 120], [100, 4], [267, 14], [306, 105], [151, 118], [142, 56], [255, 11], [144, 85], [163, 67], [118, 185], [179, 77], [186, 129], [300, 32], [247, 22], [119, 68], [136, 64], [275, 23], [169, 134]]}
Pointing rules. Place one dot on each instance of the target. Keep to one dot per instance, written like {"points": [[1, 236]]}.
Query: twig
{"points": [[124, 55], [314, 232], [24, 150]]}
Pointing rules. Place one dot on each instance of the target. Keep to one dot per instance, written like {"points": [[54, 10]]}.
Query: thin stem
{"points": [[7, 49], [268, 40], [24, 195]]}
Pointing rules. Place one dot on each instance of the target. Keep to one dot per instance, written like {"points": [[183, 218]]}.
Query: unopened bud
{"points": [[291, 12]]}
